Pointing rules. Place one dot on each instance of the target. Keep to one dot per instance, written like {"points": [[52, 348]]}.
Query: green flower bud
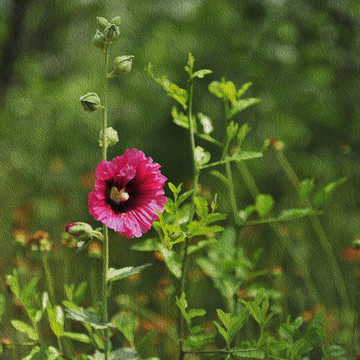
{"points": [[80, 231], [90, 101], [111, 32], [116, 20], [111, 136], [122, 64], [99, 40], [102, 23]]}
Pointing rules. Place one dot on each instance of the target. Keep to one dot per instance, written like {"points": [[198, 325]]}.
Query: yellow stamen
{"points": [[117, 195]]}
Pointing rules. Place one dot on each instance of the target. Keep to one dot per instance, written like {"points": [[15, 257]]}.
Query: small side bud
{"points": [[99, 40], [122, 64], [111, 32], [80, 230], [102, 23], [111, 136], [90, 101]]}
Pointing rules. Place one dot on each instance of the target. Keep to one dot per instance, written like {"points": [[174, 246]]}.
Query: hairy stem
{"points": [[196, 173], [105, 229]]}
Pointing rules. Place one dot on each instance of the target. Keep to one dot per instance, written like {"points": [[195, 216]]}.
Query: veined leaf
{"points": [[118, 274], [87, 317]]}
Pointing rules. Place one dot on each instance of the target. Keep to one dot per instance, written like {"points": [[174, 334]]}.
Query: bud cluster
{"points": [[106, 32]]}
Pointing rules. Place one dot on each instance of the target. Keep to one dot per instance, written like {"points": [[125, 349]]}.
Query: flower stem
{"points": [[319, 231], [105, 229], [185, 246]]}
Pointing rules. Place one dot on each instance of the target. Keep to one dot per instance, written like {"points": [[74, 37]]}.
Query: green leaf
{"points": [[174, 91], [180, 119], [13, 282], [199, 245], [229, 91], [24, 328], [125, 353], [220, 176], [243, 89], [264, 204], [305, 187], [324, 193], [243, 131], [195, 229], [29, 297], [69, 291], [56, 319], [172, 260], [150, 244], [292, 214], [43, 353], [240, 353], [145, 342], [118, 274], [126, 323], [335, 350], [2, 306], [231, 131], [244, 155], [206, 123], [202, 157], [80, 292], [175, 190], [213, 217], [87, 317], [201, 206], [184, 196], [201, 73], [197, 341], [77, 336], [241, 105]]}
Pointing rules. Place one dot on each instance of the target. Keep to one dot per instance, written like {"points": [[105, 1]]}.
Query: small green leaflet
{"points": [[325, 192], [24, 328], [305, 187], [264, 204], [87, 317], [118, 274]]}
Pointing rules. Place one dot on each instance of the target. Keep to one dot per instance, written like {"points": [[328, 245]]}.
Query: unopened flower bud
{"points": [[116, 20], [276, 144], [102, 23], [95, 250], [99, 40], [111, 136], [90, 101], [111, 32], [123, 64], [80, 230]]}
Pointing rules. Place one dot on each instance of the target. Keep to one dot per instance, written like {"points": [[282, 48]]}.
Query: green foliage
{"points": [[118, 274], [326, 191], [87, 317]]}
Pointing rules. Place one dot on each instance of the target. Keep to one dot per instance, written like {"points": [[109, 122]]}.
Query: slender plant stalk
{"points": [[50, 285], [301, 262], [196, 173], [319, 231], [105, 229]]}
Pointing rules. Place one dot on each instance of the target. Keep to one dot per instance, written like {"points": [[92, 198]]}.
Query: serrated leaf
{"points": [[150, 244], [264, 204], [174, 91], [87, 317], [241, 105], [24, 328], [202, 156], [325, 192], [305, 187], [206, 123], [118, 274], [201, 73], [172, 260], [77, 336]]}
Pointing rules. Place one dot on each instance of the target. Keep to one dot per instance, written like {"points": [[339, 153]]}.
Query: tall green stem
{"points": [[105, 229], [196, 173], [319, 231]]}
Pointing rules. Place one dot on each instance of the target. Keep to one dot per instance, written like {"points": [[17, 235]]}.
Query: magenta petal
{"points": [[143, 183]]}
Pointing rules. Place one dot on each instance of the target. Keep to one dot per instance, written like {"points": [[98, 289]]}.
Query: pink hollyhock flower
{"points": [[128, 193]]}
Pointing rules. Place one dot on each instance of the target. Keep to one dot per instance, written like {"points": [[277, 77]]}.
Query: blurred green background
{"points": [[303, 60]]}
